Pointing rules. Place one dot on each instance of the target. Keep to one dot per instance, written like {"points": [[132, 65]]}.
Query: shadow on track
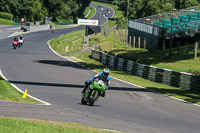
{"points": [[76, 86], [47, 84], [60, 63], [95, 105]]}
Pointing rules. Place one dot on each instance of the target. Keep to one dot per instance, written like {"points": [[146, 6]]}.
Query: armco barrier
{"points": [[169, 77]]}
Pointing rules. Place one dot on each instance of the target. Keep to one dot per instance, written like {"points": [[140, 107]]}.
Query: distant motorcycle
{"points": [[15, 44], [93, 92], [20, 43], [53, 29]]}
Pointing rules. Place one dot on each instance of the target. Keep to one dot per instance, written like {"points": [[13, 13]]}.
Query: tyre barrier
{"points": [[183, 80]]}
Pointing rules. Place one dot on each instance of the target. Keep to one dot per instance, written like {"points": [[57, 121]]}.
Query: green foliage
{"points": [[191, 3], [36, 10], [121, 22], [180, 4], [143, 8], [17, 125], [5, 22], [6, 15], [156, 7]]}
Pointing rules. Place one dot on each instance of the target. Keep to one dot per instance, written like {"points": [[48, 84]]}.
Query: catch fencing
{"points": [[183, 80]]}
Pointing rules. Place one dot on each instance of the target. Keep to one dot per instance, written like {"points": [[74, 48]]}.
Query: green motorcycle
{"points": [[93, 92]]}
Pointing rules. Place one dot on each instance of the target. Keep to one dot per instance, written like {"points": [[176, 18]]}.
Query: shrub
{"points": [[5, 21], [5, 15]]}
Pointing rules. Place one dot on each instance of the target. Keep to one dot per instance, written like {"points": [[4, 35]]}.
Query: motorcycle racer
{"points": [[15, 38], [53, 29], [21, 40], [104, 76], [21, 37], [15, 42]]}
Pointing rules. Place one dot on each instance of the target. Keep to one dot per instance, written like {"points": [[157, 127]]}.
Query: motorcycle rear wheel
{"points": [[83, 101]]}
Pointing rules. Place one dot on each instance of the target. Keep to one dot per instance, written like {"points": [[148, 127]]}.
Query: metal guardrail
{"points": [[183, 80]]}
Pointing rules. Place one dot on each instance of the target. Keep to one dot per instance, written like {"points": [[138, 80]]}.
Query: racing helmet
{"points": [[106, 72], [21, 36]]}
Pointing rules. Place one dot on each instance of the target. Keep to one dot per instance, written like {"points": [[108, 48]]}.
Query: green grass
{"points": [[72, 40], [5, 22], [62, 26], [91, 13], [7, 92], [14, 125], [107, 44]]}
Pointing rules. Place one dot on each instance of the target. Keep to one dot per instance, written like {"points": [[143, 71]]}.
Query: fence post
{"points": [[145, 43], [196, 49], [163, 45], [139, 42], [118, 34]]}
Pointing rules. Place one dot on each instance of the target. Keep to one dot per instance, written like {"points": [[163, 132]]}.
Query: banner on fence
{"points": [[88, 22]]}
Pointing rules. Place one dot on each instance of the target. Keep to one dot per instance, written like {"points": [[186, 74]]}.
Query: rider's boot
{"points": [[83, 91], [87, 82]]}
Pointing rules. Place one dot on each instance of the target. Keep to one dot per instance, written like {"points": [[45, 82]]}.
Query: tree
{"points": [[54, 7], [181, 4], [77, 7], [154, 7], [134, 6], [143, 8], [37, 9]]}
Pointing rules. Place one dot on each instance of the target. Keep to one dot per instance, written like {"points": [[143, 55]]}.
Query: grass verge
{"points": [[68, 42], [63, 26], [84, 59], [9, 93], [91, 13], [14, 125], [5, 21]]}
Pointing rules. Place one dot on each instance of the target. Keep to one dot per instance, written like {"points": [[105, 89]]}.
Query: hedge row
{"points": [[6, 15], [5, 21]]}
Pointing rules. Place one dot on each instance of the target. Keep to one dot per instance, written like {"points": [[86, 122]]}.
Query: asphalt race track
{"points": [[59, 82]]}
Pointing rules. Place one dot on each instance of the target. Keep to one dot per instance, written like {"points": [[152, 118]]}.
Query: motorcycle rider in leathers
{"points": [[104, 76]]}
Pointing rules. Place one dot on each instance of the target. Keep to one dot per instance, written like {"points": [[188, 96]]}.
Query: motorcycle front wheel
{"points": [[14, 46], [93, 98]]}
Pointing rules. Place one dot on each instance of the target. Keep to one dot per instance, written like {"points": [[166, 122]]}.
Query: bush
{"points": [[5, 21], [6, 15]]}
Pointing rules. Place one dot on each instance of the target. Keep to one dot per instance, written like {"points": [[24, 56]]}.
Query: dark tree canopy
{"points": [[143, 8], [34, 10]]}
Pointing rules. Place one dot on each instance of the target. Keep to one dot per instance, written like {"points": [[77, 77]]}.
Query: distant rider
{"points": [[15, 42], [21, 37], [16, 38], [104, 76], [53, 29]]}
